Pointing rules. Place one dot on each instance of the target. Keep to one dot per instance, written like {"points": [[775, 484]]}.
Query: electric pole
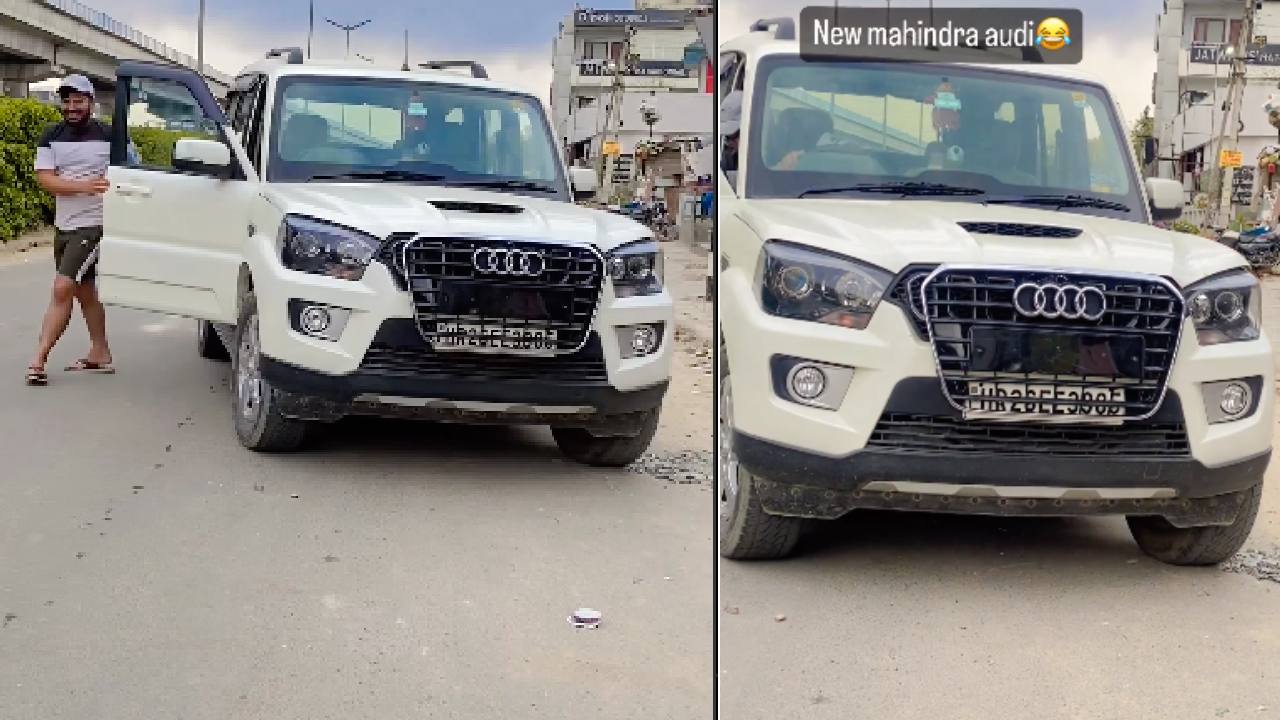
{"points": [[613, 117], [1231, 118]]}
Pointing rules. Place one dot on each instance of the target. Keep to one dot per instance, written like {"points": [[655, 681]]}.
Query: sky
{"points": [[512, 38], [1119, 35]]}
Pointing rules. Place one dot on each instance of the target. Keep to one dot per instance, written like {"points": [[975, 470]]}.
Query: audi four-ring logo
{"points": [[504, 261], [1051, 301]]}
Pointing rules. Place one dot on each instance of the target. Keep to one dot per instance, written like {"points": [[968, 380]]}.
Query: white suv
{"points": [[941, 290], [392, 243]]}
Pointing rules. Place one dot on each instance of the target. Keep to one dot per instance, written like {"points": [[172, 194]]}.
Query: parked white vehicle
{"points": [[395, 243], [940, 290]]}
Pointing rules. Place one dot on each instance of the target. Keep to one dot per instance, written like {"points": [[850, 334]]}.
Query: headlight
{"points": [[317, 247], [1226, 308], [806, 284], [636, 269]]}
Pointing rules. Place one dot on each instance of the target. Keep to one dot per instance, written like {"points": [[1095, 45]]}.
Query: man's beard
{"points": [[82, 117]]}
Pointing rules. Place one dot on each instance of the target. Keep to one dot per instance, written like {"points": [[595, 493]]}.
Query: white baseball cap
{"points": [[76, 83]]}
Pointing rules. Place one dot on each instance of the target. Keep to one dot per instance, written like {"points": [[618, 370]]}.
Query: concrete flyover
{"points": [[42, 39]]}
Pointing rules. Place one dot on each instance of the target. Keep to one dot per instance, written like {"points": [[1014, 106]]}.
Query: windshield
{"points": [[956, 133], [365, 129]]}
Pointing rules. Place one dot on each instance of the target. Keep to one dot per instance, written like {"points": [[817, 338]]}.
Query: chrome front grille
{"points": [[450, 286], [1142, 313]]}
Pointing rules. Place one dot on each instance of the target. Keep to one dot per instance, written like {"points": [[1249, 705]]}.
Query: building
{"points": [[1191, 86], [668, 60], [651, 161]]}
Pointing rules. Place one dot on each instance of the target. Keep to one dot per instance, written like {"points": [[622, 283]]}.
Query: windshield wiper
{"points": [[378, 175], [1061, 201], [507, 185], [899, 188]]}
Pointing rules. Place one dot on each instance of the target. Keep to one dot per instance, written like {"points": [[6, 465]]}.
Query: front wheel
{"points": [[259, 424], [606, 451], [1206, 545], [747, 532]]}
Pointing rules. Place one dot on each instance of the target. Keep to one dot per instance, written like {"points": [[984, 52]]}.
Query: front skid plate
{"points": [[827, 504], [305, 407]]}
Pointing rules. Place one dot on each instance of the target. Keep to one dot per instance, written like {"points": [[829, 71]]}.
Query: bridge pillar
{"points": [[14, 88], [15, 77]]}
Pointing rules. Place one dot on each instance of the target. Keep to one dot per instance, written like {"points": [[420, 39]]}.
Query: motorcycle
{"points": [[1260, 246]]}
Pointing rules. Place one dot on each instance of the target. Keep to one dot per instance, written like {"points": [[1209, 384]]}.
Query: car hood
{"points": [[384, 208], [895, 233]]}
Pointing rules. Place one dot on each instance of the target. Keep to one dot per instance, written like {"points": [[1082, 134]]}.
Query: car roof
{"points": [[761, 43], [278, 68]]}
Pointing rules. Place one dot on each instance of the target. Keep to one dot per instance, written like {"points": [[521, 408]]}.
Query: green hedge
{"points": [[23, 205], [155, 145]]}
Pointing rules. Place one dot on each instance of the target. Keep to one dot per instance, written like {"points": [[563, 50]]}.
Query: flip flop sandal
{"points": [[87, 365], [37, 377]]}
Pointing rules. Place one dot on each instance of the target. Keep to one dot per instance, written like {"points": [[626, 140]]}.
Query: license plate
{"points": [[1030, 401], [468, 336]]}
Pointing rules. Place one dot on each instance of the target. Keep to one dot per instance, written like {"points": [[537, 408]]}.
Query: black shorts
{"points": [[75, 252]]}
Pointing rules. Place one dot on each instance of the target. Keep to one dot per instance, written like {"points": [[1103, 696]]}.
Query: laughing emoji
{"points": [[1053, 34]]}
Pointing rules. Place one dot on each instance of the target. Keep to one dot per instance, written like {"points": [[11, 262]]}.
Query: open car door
{"points": [[174, 219]]}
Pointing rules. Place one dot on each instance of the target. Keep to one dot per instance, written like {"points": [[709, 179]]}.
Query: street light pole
{"points": [[200, 41], [348, 29]]}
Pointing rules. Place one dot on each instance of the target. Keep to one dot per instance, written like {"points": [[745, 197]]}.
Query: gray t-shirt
{"points": [[76, 153]]}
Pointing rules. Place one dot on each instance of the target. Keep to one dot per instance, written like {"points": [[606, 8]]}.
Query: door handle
{"points": [[133, 190]]}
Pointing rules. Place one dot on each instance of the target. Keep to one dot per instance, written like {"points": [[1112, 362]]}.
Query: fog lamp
{"points": [[1235, 399], [314, 319], [644, 339], [808, 382]]}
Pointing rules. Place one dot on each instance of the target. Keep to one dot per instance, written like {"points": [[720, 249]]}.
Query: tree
{"points": [[1143, 128]]}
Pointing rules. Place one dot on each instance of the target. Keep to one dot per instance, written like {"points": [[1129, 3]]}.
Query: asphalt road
{"points": [[150, 567], [930, 616]]}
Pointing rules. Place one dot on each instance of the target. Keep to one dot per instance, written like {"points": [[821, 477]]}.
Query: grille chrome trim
{"points": [[398, 245], [1179, 319], [900, 294]]}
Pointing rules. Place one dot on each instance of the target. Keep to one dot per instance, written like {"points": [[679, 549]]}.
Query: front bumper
{"points": [[819, 462], [800, 484], [888, 352], [376, 300], [402, 376]]}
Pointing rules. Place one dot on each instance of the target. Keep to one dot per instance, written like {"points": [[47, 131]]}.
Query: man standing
{"points": [[71, 164]]}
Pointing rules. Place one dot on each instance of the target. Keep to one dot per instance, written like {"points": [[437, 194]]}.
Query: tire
{"points": [[747, 532], [208, 344], [259, 425], [580, 445], [1205, 545]]}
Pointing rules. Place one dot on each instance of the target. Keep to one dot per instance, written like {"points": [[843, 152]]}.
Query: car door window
{"points": [[729, 63], [248, 120], [731, 94], [159, 113]]}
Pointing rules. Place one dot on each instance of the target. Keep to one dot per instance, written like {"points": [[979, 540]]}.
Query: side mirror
{"points": [[1148, 150], [1165, 197], [203, 157], [584, 183]]}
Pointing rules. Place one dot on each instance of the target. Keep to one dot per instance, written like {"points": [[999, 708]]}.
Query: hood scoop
{"points": [[477, 207], [1019, 229]]}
